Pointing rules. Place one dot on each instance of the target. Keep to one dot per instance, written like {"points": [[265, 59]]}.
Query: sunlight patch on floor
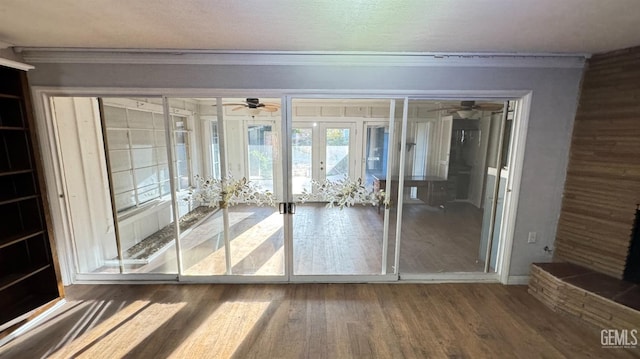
{"points": [[222, 332], [275, 264], [131, 325], [241, 246]]}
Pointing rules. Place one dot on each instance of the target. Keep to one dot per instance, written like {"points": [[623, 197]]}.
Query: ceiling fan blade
{"points": [[456, 108], [489, 107], [233, 104], [269, 108], [238, 108]]}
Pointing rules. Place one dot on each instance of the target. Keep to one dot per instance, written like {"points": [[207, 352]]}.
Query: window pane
{"points": [[146, 176], [122, 181], [158, 121], [125, 200], [120, 160], [260, 156], [161, 155], [143, 157], [337, 153], [142, 138], [165, 188], [161, 139], [118, 139], [180, 122], [376, 151], [140, 119], [115, 117], [301, 159], [148, 193], [181, 152]]}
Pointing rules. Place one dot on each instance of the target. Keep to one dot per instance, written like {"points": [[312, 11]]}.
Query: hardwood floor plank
{"points": [[308, 321], [329, 242]]}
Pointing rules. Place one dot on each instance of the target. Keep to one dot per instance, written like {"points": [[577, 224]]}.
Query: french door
{"points": [[320, 152]]}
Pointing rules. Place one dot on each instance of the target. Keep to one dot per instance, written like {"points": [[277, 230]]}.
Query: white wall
{"points": [[553, 104]]}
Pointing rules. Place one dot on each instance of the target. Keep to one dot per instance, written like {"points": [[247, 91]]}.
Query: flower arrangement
{"points": [[221, 193], [343, 193]]}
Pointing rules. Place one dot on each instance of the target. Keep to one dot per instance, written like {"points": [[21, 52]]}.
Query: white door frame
{"points": [[321, 146], [55, 179]]}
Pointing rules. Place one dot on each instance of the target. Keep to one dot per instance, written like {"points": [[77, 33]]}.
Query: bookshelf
{"points": [[28, 272]]}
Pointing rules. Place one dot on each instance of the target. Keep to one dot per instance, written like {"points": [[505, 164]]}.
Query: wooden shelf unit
{"points": [[29, 278]]}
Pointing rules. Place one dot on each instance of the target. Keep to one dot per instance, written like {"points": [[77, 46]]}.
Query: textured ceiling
{"points": [[528, 26]]}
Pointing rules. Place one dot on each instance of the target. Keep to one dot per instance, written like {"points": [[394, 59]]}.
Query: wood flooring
{"points": [[308, 321], [330, 241]]}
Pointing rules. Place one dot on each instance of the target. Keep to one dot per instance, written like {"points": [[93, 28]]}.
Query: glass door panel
{"points": [[237, 229], [450, 175], [135, 134], [339, 224]]}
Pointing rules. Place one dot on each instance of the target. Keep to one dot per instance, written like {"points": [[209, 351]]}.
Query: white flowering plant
{"points": [[221, 193], [343, 193]]}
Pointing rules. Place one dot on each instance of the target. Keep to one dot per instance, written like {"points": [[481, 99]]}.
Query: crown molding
{"points": [[204, 57]]}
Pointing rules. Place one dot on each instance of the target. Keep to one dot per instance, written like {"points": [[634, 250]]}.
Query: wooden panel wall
{"points": [[603, 177]]}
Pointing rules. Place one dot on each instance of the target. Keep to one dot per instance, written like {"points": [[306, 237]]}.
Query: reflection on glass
{"points": [[347, 240], [445, 227], [140, 178], [253, 231], [376, 150]]}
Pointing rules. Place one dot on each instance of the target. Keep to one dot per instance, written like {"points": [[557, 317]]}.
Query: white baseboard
{"points": [[518, 280]]}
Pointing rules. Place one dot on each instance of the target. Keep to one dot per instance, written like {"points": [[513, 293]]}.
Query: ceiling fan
{"points": [[468, 109], [254, 106]]}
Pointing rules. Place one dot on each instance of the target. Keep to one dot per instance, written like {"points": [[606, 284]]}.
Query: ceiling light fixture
{"points": [[464, 114]]}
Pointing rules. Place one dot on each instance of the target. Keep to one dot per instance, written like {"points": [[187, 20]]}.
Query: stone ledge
{"points": [[604, 301]]}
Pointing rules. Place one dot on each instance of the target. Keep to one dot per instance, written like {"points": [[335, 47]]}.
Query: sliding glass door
{"points": [[342, 219], [241, 231], [451, 173], [332, 189]]}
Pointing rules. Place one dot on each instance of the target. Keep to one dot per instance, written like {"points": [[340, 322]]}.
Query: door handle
{"points": [[285, 208]]}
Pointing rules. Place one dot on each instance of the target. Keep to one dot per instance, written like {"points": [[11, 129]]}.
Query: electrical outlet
{"points": [[532, 237]]}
